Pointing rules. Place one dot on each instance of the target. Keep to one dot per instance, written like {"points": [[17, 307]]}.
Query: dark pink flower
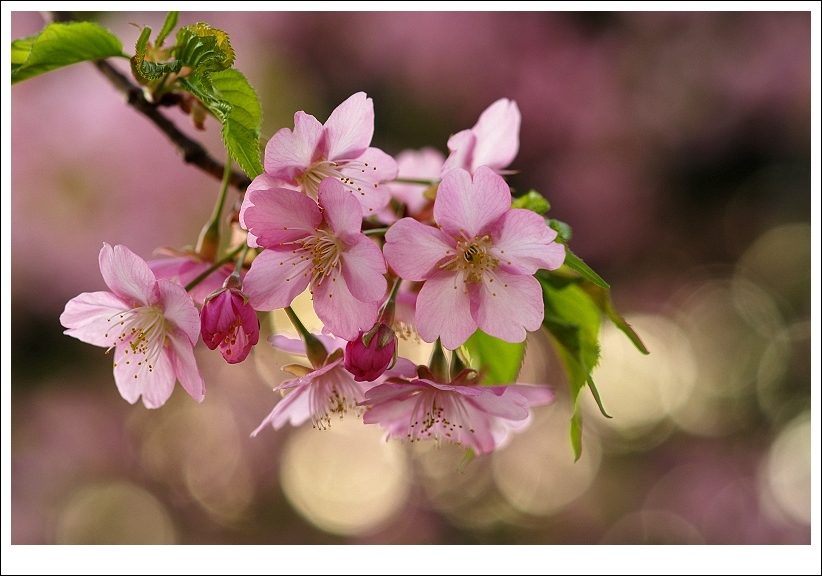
{"points": [[369, 355], [227, 320]]}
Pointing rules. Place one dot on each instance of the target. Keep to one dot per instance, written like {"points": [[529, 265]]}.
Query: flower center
{"points": [[353, 174], [326, 251], [472, 258], [144, 329]]}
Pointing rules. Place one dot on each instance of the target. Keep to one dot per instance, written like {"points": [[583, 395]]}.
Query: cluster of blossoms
{"points": [[361, 231]]}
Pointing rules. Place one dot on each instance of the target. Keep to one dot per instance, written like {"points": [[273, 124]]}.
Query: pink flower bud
{"points": [[228, 321], [371, 353]]}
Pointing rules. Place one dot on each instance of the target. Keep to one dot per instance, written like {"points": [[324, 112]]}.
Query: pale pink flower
{"points": [[321, 247], [467, 414], [227, 320], [152, 325], [184, 266], [338, 149], [493, 141], [478, 265], [424, 164]]}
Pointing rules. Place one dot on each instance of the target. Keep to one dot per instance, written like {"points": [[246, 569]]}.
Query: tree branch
{"points": [[192, 151]]}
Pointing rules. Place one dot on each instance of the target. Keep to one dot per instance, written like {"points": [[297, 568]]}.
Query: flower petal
{"points": [[276, 277], [413, 249], [128, 275], [444, 310], [340, 209], [523, 243], [505, 305], [349, 129], [179, 309], [279, 216], [466, 208], [288, 154], [294, 409], [185, 366], [497, 133], [339, 310], [461, 146], [423, 164], [134, 378], [366, 174], [88, 317], [363, 267]]}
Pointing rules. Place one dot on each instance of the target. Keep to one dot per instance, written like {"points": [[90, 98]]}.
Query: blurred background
{"points": [[677, 147]]}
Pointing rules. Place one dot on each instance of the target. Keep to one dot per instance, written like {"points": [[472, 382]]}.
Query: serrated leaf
{"points": [[499, 361], [150, 70], [203, 48], [575, 263], [573, 321], [562, 229], [602, 298], [60, 44], [169, 25], [243, 122], [533, 201]]}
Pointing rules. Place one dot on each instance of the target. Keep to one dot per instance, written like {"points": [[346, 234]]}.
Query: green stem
{"points": [[219, 263], [314, 349], [209, 239], [375, 231], [241, 260], [415, 181]]}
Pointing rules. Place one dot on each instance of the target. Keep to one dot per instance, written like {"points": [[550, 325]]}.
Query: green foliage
{"points": [[562, 229], [576, 264], [243, 122], [533, 201], [497, 360], [61, 44]]}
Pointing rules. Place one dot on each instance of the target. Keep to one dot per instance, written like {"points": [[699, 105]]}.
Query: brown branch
{"points": [[192, 151]]}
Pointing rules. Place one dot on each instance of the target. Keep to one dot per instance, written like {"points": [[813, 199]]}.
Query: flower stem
{"points": [[314, 349], [416, 181], [222, 261], [209, 240], [375, 231]]}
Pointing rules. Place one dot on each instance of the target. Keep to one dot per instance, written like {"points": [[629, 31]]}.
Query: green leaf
{"points": [[575, 263], [561, 228], [573, 321], [533, 201], [203, 48], [168, 26], [61, 44], [242, 124], [602, 298], [497, 360], [146, 69]]}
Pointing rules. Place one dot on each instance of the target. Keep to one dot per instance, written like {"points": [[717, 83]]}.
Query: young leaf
{"points": [[602, 298], [575, 263], [498, 360], [242, 124], [562, 229], [203, 48], [150, 70], [533, 201], [61, 44], [168, 26]]}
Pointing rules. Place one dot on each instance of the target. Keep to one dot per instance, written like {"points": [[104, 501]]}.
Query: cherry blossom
{"points": [[320, 247], [229, 322], [478, 264], [151, 324], [339, 149]]}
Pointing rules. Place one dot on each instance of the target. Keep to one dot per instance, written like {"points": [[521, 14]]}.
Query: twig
{"points": [[191, 150]]}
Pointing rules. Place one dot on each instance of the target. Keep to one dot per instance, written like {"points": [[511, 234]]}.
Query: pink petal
{"points": [[277, 277], [366, 180], [536, 395], [504, 405], [294, 408], [340, 209], [444, 311], [340, 311], [507, 306], [134, 379], [349, 129], [185, 367], [288, 154], [497, 132], [461, 146], [88, 317], [128, 275], [363, 267], [263, 181], [468, 209], [179, 309], [280, 216], [413, 249], [424, 164], [523, 243], [286, 344]]}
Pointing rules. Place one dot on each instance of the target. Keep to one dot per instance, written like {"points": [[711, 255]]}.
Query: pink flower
{"points": [[478, 265], [493, 141], [184, 266], [473, 416], [338, 149], [317, 246], [151, 324], [228, 321], [424, 164], [369, 355], [316, 394]]}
